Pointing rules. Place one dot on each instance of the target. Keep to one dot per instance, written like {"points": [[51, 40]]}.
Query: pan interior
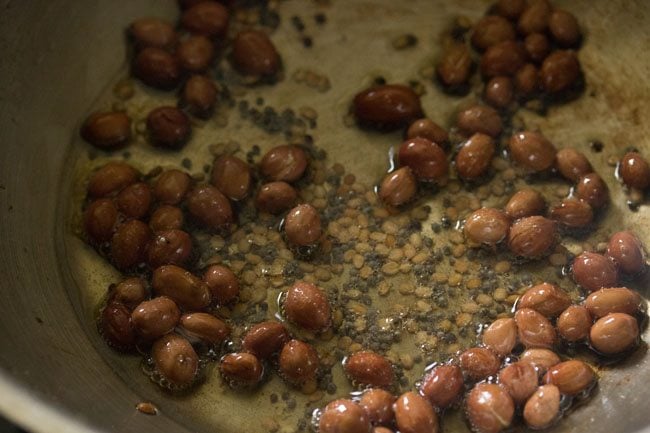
{"points": [[351, 50]]}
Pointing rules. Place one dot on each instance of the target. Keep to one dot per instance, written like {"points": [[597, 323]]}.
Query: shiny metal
{"points": [[57, 56]]}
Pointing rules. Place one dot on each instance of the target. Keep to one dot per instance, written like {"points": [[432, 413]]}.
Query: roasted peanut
{"points": [[171, 186], [520, 379], [534, 19], [199, 95], [116, 327], [154, 318], [387, 106], [592, 189], [231, 176], [298, 362], [302, 225], [307, 306], [571, 377], [168, 127], [572, 213], [343, 416], [491, 30], [499, 92], [614, 333], [378, 405], [184, 288], [108, 130], [542, 408], [525, 203], [264, 339], [455, 66], [534, 329], [222, 282], [510, 9], [204, 327], [210, 207], [276, 197], [195, 53], [129, 244], [489, 408], [487, 226], [574, 323], [427, 128], [129, 292], [111, 178], [572, 164], [560, 71], [443, 385], [614, 300], [206, 18], [634, 170], [169, 247], [532, 151], [413, 414], [532, 237], [475, 156], [175, 360], [134, 200], [369, 368], [478, 363], [284, 163], [166, 218], [100, 218], [527, 80], [594, 271], [241, 369], [479, 118], [425, 158], [157, 68], [541, 359], [501, 336], [254, 54], [626, 250], [537, 47], [503, 59], [564, 28], [152, 32], [398, 187]]}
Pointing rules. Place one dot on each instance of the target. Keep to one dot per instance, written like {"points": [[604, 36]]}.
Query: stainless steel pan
{"points": [[57, 57]]}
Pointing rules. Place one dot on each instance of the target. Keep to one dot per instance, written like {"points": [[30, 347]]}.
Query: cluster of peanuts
{"points": [[522, 223], [526, 52], [422, 159], [140, 226], [515, 368], [119, 200], [166, 58]]}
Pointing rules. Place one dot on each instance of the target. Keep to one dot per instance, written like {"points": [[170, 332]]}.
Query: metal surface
{"points": [[58, 56]]}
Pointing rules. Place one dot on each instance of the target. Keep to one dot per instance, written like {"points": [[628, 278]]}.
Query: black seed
{"points": [[596, 146], [297, 22]]}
